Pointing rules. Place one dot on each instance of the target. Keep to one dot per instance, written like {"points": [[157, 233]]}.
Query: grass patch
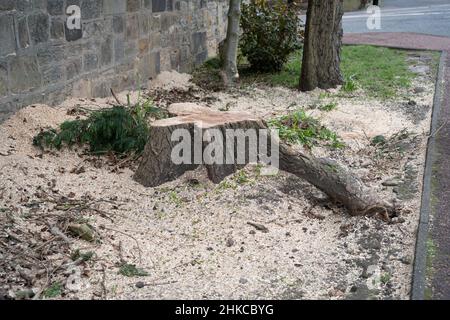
{"points": [[379, 71], [299, 127]]}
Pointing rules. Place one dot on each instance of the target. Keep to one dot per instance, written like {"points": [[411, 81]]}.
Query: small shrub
{"points": [[270, 34], [120, 129], [298, 127]]}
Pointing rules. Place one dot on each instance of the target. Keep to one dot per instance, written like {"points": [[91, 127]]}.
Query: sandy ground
{"points": [[193, 237]]}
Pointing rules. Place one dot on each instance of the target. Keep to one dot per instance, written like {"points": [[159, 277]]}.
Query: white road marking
{"points": [[415, 11]]}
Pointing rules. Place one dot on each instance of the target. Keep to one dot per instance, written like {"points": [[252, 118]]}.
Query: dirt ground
{"points": [[193, 238]]}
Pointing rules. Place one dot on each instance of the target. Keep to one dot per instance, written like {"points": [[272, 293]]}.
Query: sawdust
{"points": [[193, 237]]}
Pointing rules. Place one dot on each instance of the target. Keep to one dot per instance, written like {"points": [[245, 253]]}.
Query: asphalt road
{"points": [[421, 16]]}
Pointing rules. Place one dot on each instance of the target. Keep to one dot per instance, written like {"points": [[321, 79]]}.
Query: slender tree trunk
{"points": [[230, 72], [323, 39]]}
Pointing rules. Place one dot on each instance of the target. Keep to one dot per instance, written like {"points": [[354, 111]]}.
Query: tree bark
{"points": [[337, 182], [230, 72], [322, 45]]}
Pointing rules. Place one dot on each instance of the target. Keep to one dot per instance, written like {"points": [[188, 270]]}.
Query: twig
{"points": [[432, 135], [104, 291], [55, 231], [116, 98], [128, 235]]}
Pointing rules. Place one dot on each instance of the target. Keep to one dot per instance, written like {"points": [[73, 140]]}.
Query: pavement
{"points": [[431, 276], [424, 16]]}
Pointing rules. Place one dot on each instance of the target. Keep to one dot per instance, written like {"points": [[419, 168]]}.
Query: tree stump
{"points": [[158, 167]]}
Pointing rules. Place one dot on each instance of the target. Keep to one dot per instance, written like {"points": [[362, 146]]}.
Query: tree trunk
{"points": [[334, 180], [322, 46], [230, 72]]}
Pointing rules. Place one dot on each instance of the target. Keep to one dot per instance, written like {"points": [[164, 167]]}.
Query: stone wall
{"points": [[121, 45]]}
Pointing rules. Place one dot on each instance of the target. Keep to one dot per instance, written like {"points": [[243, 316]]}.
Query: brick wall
{"points": [[122, 43]]}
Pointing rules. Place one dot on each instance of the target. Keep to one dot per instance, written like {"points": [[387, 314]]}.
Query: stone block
{"points": [[118, 24], [24, 74], [57, 28], [119, 49], [90, 62], [143, 25], [91, 9], [114, 6], [52, 75], [133, 5], [7, 39], [6, 5], [198, 42], [3, 79], [50, 55], [106, 52], [201, 57], [169, 5], [39, 27], [55, 7], [158, 5], [155, 40], [6, 110], [22, 33], [132, 27], [147, 4], [73, 68]]}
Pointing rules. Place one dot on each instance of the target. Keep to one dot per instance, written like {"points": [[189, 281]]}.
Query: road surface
{"points": [[421, 16]]}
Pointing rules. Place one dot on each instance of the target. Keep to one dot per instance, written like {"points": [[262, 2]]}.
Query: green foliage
{"points": [[270, 34], [328, 107], [298, 127], [385, 278], [378, 140], [119, 129], [350, 84], [55, 290], [130, 270], [85, 256]]}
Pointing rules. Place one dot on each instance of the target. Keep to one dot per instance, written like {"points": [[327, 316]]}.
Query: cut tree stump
{"points": [[157, 166]]}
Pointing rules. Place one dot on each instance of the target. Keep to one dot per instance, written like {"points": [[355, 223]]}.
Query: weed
{"points": [[55, 290], [225, 184], [350, 84], [130, 270], [77, 254], [173, 196], [298, 127], [242, 177], [385, 278], [328, 107]]}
